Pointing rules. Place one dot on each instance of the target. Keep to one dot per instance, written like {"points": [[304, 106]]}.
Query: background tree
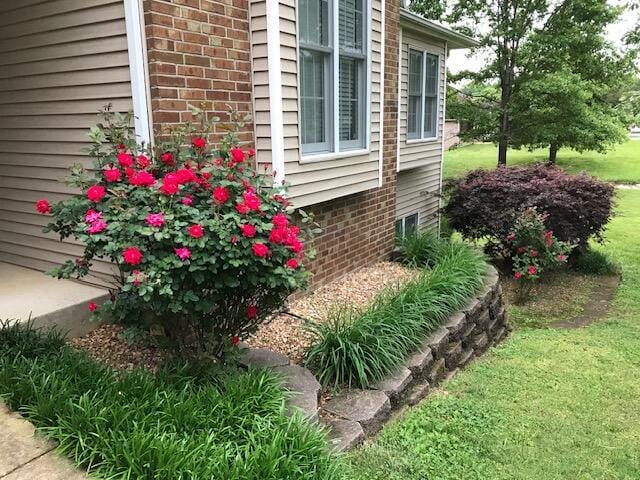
{"points": [[475, 106], [571, 82]]}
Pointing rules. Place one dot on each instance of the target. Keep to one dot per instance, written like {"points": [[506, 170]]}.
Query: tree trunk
{"points": [[502, 151], [553, 153]]}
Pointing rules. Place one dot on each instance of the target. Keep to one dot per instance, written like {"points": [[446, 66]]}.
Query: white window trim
{"points": [[444, 116], [334, 125], [439, 120], [138, 71]]}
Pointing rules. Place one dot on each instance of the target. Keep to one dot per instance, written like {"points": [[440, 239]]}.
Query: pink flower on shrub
{"points": [[112, 175], [534, 253], [97, 226], [280, 220], [187, 200], [548, 237], [155, 219], [43, 206], [251, 152], [142, 161], [125, 159], [260, 249], [142, 179], [251, 200], [295, 245], [169, 188], [132, 255], [562, 258], [532, 270], [220, 194], [248, 230], [511, 237], [96, 193], [93, 306], [196, 231], [242, 208], [138, 277], [282, 199], [183, 253], [521, 250], [237, 155], [517, 275], [199, 143], [234, 239], [235, 340], [292, 263], [252, 311], [168, 159], [92, 216]]}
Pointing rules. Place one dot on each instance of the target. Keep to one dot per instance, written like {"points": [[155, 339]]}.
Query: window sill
{"points": [[413, 141], [322, 157]]}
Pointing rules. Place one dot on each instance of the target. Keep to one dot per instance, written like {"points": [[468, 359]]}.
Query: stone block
{"points": [[495, 306], [493, 321], [370, 408], [344, 434], [471, 308], [456, 325], [483, 319], [480, 342], [500, 335], [417, 393], [451, 373], [262, 358], [419, 362], [452, 355], [437, 371], [466, 357], [395, 384], [304, 387], [438, 342]]}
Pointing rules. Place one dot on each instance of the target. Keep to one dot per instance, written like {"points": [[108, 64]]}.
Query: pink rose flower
{"points": [[155, 219], [183, 253]]}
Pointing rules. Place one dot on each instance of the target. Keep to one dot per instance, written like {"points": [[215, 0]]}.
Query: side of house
{"points": [[347, 98]]}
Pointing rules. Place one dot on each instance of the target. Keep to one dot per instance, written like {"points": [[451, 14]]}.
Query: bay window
{"points": [[422, 96], [333, 75]]}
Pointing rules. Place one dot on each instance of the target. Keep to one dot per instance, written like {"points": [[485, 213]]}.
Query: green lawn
{"points": [[546, 404], [619, 165]]}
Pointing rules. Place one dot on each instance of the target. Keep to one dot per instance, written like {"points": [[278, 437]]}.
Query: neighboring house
{"points": [[347, 97]]}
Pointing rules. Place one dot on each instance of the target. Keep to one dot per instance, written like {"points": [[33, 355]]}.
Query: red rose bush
{"points": [[204, 246], [534, 250]]}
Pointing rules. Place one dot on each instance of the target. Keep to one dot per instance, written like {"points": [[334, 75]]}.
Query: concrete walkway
{"points": [[24, 456]]}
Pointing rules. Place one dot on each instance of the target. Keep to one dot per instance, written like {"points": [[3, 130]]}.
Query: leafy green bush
{"points": [[186, 422], [358, 348], [205, 247], [595, 262]]}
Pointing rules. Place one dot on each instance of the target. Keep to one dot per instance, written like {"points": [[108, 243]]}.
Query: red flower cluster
{"points": [[132, 256], [43, 206], [96, 193], [221, 194]]}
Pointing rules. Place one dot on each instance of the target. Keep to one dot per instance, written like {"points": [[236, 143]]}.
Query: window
{"points": [[422, 95], [408, 224], [333, 75]]}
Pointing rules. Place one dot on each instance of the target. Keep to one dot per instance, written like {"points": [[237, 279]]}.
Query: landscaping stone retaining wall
{"points": [[354, 415]]}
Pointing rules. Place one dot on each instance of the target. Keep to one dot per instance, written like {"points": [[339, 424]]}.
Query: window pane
{"points": [[350, 100], [351, 19], [313, 97], [411, 223], [313, 17], [431, 97], [414, 109]]}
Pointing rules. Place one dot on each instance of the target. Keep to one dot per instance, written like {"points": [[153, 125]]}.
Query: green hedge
{"points": [[357, 349], [185, 423]]}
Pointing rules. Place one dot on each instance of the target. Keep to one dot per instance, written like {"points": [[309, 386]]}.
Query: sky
{"points": [[460, 60]]}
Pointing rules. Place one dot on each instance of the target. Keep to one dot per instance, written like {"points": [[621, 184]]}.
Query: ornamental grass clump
{"points": [[359, 348], [189, 421], [205, 248]]}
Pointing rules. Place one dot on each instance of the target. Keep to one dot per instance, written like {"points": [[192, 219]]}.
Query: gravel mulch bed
{"points": [[285, 334], [106, 345]]}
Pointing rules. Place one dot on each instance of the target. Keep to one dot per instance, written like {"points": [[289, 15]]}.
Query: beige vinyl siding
{"points": [[316, 181], [61, 61], [417, 191], [415, 153]]}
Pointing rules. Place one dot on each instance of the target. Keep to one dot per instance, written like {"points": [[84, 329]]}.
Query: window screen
{"points": [[414, 110]]}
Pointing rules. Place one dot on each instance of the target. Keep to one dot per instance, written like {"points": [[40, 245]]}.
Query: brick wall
{"points": [[359, 229], [198, 52]]}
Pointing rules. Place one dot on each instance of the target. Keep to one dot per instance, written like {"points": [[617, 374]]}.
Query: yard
{"points": [[548, 403], [621, 165]]}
